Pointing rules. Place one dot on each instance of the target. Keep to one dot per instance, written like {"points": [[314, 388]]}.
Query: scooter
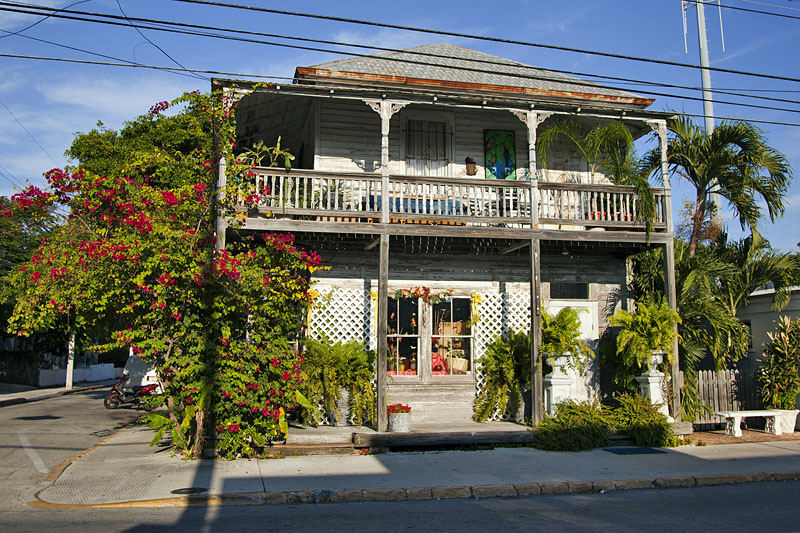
{"points": [[133, 395]]}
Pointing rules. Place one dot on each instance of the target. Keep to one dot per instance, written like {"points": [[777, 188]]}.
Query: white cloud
{"points": [[113, 99]]}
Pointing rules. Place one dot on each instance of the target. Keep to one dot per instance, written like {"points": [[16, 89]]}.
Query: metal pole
{"points": [[708, 103], [70, 360]]}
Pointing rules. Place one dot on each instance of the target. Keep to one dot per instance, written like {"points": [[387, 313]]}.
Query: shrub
{"points": [[779, 376], [651, 327], [576, 426], [330, 368], [561, 334], [507, 367], [636, 417]]}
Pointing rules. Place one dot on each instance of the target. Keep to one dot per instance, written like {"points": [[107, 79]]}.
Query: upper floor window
{"points": [[427, 148]]}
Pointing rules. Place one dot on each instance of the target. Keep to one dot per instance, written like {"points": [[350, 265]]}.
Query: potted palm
{"points": [[646, 341]]}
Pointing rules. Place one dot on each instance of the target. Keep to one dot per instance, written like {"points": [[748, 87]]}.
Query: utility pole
{"points": [[705, 75]]}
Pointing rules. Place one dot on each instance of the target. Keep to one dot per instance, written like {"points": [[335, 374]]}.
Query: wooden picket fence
{"points": [[725, 390]]}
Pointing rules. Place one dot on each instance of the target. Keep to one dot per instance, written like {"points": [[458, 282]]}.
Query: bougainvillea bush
{"points": [[135, 263]]}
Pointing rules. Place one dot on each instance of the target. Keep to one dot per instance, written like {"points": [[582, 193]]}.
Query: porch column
{"points": [[222, 224], [385, 108], [537, 385], [532, 121], [383, 311], [660, 127]]}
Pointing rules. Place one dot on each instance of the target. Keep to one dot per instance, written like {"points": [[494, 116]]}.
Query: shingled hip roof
{"points": [[449, 65]]}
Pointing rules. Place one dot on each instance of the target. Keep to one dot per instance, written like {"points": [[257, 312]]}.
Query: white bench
{"points": [[733, 421]]}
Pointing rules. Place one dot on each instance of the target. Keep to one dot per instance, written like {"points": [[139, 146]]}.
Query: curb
{"points": [[438, 493], [19, 400]]}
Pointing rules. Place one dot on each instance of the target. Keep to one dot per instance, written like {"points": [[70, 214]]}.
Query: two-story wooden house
{"points": [[416, 180]]}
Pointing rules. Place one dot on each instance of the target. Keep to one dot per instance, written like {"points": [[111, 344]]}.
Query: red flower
{"points": [[398, 408]]}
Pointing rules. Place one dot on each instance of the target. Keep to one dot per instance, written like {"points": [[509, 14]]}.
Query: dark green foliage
{"points": [[636, 417], [779, 376], [577, 426], [329, 368], [507, 367]]}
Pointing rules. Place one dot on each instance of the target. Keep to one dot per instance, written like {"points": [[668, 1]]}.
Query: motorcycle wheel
{"points": [[110, 402]]}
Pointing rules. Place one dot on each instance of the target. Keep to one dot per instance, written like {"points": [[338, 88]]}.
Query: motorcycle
{"points": [[134, 395]]}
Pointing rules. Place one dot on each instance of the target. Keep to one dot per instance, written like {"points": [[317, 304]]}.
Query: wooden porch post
{"points": [[532, 121], [383, 311], [537, 392], [386, 109], [222, 224], [660, 127]]}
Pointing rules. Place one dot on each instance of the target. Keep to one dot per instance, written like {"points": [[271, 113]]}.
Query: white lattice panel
{"points": [[499, 313], [343, 315]]}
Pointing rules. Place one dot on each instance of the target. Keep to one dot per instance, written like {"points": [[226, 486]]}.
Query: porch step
{"points": [[440, 438], [296, 450]]}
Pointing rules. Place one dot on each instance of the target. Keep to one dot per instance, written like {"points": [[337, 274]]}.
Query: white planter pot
{"points": [[656, 357], [399, 422], [341, 417]]}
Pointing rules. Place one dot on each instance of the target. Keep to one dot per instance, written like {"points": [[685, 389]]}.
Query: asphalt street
{"points": [[37, 437]]}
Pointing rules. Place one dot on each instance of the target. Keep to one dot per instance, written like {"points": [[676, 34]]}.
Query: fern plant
{"points": [[650, 328], [561, 334], [330, 368], [507, 367], [636, 417], [779, 376]]}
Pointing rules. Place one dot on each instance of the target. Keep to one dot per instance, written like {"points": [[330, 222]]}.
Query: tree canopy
{"points": [[136, 264]]}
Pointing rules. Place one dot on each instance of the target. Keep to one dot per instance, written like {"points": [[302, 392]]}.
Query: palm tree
{"points": [[607, 148], [603, 147], [756, 265], [733, 161]]}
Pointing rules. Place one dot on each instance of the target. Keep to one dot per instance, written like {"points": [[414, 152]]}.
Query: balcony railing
{"points": [[330, 196]]}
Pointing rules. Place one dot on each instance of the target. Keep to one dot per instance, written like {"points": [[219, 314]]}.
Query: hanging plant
{"points": [[425, 294], [475, 302]]}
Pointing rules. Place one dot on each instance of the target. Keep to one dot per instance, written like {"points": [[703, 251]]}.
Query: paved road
{"points": [[37, 437], [751, 507]]}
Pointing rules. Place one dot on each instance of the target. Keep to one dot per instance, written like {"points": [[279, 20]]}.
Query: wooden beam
{"points": [[383, 315], [537, 390], [672, 299], [372, 244], [221, 224], [514, 248]]}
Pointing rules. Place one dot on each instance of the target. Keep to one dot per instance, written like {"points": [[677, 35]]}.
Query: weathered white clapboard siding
{"points": [[349, 137]]}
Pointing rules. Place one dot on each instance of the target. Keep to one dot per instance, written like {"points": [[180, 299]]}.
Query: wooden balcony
{"points": [[337, 197]]}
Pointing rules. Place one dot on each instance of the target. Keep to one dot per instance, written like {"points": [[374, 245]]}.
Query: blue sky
{"points": [[51, 101]]}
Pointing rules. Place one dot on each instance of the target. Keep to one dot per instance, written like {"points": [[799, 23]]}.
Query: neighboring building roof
{"points": [[456, 67]]}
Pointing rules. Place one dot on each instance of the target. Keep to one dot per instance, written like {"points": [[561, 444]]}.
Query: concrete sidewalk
{"points": [[13, 394], [126, 471]]}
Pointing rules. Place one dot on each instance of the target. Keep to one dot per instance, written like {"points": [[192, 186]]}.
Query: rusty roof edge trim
{"points": [[304, 72]]}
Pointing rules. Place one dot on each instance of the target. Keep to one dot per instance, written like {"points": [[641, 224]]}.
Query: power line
{"points": [[261, 76], [16, 180], [18, 32], [21, 125], [86, 51], [770, 5], [485, 38], [746, 10], [119, 5], [392, 59]]}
